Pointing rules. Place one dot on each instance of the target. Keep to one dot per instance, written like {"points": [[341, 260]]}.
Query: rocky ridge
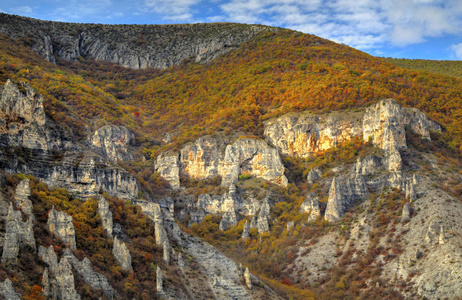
{"points": [[132, 46]]}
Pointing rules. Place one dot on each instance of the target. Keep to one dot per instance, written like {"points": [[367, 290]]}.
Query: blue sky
{"points": [[392, 28]]}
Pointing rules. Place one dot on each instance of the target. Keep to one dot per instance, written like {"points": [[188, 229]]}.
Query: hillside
{"points": [[276, 165], [443, 67]]}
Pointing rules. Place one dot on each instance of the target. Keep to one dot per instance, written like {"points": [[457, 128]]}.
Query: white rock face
{"points": [[202, 158], [48, 256], [253, 157], [208, 158], [384, 123], [60, 224], [113, 142], [305, 134], [122, 254]]}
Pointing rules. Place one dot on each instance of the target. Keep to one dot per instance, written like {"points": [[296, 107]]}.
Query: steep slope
{"points": [[320, 170]]}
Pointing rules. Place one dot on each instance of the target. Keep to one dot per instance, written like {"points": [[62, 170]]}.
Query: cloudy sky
{"points": [[429, 29]]}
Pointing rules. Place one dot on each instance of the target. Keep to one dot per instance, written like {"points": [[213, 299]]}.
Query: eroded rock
{"points": [[122, 254], [343, 193], [60, 224], [7, 290], [22, 194], [105, 214], [18, 235], [168, 166], [113, 141]]}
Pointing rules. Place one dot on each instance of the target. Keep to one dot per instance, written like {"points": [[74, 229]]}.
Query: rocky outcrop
{"points": [[159, 282], [206, 159], [384, 124], [246, 230], [221, 275], [311, 205], [436, 233], [63, 287], [29, 140], [105, 214], [313, 176], [122, 254], [86, 174], [168, 166], [247, 278], [229, 216], [417, 121], [48, 256], [7, 290], [303, 135], [262, 224], [202, 159], [406, 214], [343, 193], [112, 142], [132, 46], [23, 122], [370, 165], [254, 157], [61, 225], [85, 270], [19, 234], [22, 194]]}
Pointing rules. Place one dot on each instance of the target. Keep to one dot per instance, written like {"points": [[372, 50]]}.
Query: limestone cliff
{"points": [[254, 157], [132, 46], [29, 141], [60, 224], [307, 134], [311, 206], [205, 159], [218, 273], [64, 286], [202, 159]]}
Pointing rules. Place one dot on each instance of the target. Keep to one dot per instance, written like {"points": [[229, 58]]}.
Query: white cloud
{"points": [[364, 24], [457, 50], [180, 10]]}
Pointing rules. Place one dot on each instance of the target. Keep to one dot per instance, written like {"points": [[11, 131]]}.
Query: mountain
{"points": [[218, 161]]}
